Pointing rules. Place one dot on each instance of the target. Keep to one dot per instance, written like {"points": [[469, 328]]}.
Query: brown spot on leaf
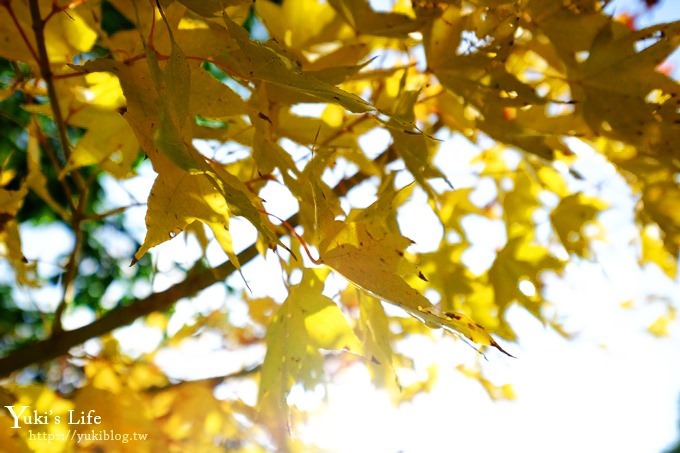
{"points": [[451, 315], [4, 218], [264, 117]]}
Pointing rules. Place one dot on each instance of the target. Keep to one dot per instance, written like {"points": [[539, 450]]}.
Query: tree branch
{"points": [[60, 343], [46, 73]]}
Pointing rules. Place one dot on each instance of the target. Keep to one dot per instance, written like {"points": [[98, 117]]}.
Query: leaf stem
{"points": [[69, 276], [60, 342], [54, 160], [46, 73], [17, 24]]}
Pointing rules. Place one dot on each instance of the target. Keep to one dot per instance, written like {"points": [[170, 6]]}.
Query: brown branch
{"points": [[17, 24], [69, 276], [212, 381], [46, 73], [54, 160], [38, 25], [60, 343]]}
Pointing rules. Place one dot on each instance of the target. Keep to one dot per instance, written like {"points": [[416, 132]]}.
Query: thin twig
{"points": [[54, 160], [119, 210], [60, 343], [46, 73], [69, 276], [20, 29]]}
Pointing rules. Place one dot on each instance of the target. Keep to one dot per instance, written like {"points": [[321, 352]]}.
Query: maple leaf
{"points": [[261, 62], [371, 258], [520, 260], [304, 323], [319, 110], [570, 218]]}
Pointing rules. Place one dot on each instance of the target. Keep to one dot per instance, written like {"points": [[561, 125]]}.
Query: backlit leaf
{"points": [[521, 261], [571, 217], [179, 198], [263, 63], [372, 260], [306, 322], [653, 251]]}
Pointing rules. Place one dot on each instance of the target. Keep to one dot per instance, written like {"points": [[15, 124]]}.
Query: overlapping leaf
{"points": [[372, 257], [571, 217], [305, 323]]}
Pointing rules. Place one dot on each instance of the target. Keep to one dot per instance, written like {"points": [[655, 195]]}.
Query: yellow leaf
{"points": [[553, 181], [194, 416], [375, 334], [164, 142], [207, 8], [179, 198], [264, 63], [66, 33], [455, 206], [262, 309], [443, 37], [44, 401], [102, 90], [419, 387], [305, 322], [323, 329], [371, 262], [495, 392], [617, 77], [123, 413], [653, 251], [458, 323], [660, 326], [372, 259], [212, 99], [416, 150], [521, 261], [177, 84], [289, 22], [570, 218], [661, 201], [9, 438], [10, 237], [109, 142], [520, 204], [360, 15], [148, 112], [11, 201], [347, 56]]}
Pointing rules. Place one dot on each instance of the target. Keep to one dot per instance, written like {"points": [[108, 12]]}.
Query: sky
{"points": [[613, 387]]}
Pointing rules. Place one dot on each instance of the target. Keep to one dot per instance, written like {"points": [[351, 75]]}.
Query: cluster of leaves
{"points": [[92, 92]]}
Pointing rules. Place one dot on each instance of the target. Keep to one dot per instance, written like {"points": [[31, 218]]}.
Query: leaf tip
{"points": [[497, 346]]}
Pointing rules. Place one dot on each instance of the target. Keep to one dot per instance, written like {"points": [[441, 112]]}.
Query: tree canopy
{"points": [[308, 127]]}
